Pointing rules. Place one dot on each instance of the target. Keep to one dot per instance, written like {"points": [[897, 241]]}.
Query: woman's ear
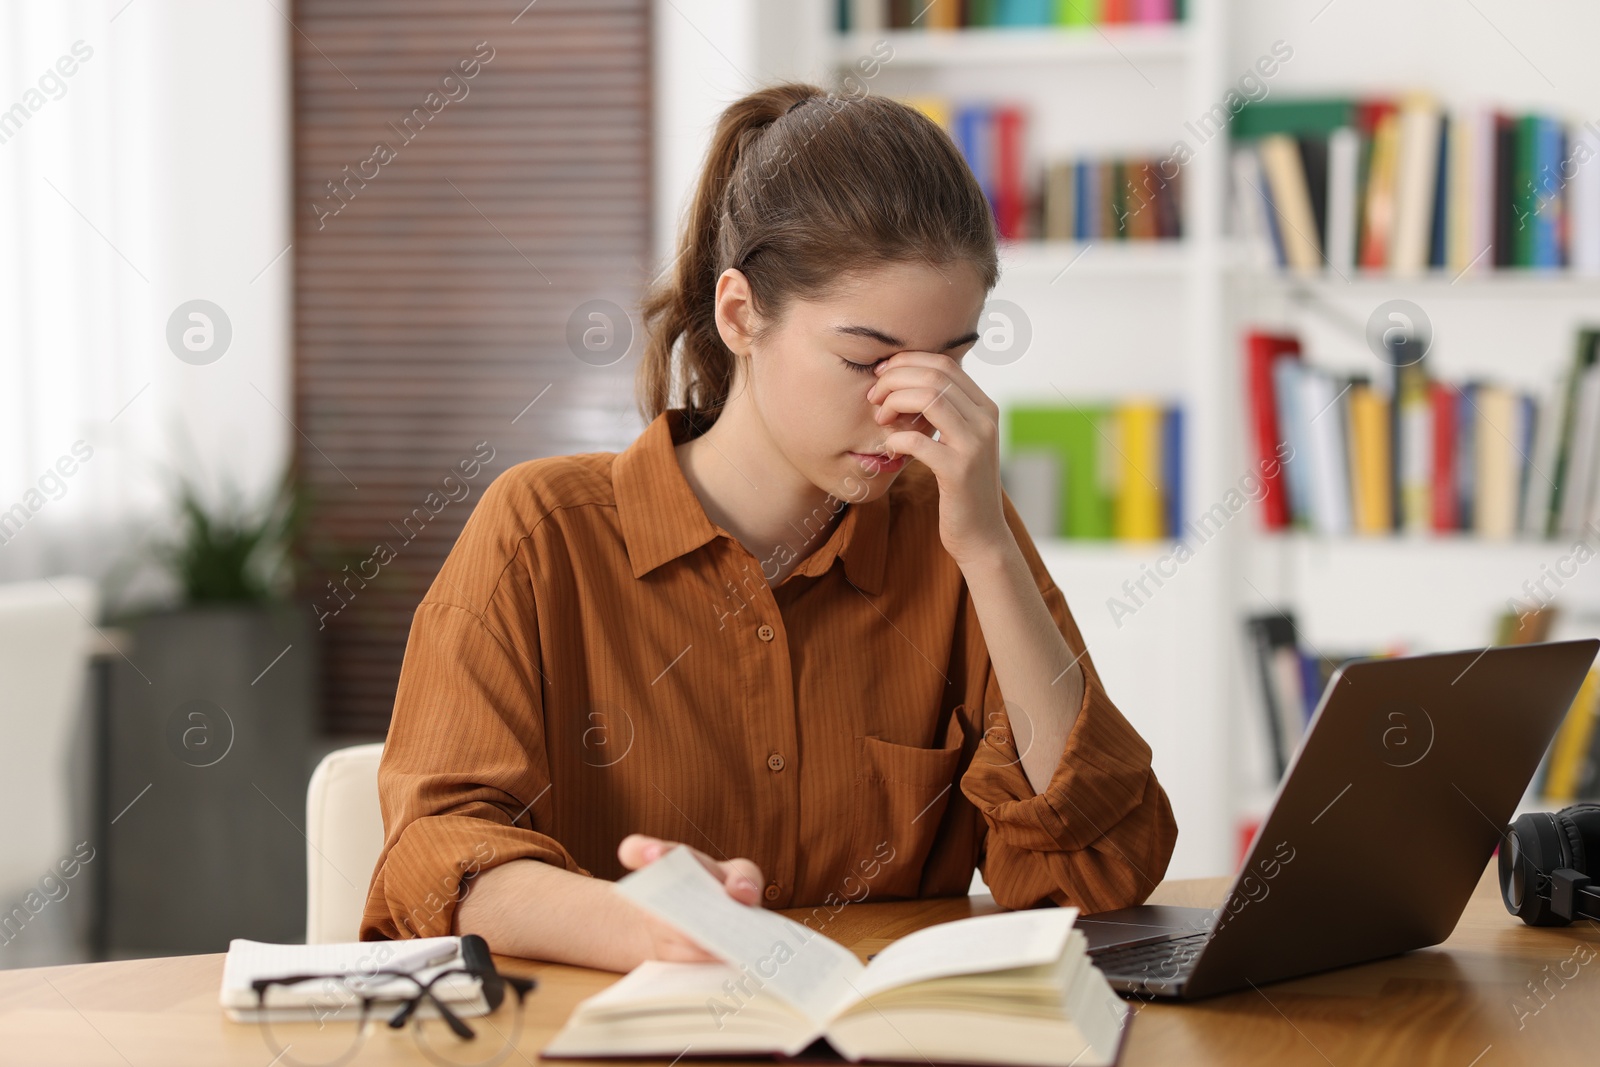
{"points": [[735, 311]]}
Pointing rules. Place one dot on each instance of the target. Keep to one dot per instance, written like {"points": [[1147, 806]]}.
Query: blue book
{"points": [[1172, 469], [974, 136], [1547, 193], [1310, 680], [1080, 199], [1092, 198], [1023, 12]]}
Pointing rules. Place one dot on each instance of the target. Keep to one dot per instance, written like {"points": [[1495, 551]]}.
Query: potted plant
{"points": [[209, 737]]}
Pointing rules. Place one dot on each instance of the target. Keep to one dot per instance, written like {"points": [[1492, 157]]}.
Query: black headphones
{"points": [[1547, 861]]}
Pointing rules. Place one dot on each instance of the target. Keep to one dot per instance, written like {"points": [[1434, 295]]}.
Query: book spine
{"points": [[1525, 163], [1280, 158], [1441, 195], [1296, 469], [1009, 193], [1139, 511], [1344, 161], [1172, 469], [1445, 513], [1262, 351], [1378, 223], [1369, 460], [1572, 744], [1415, 467], [1466, 456]]}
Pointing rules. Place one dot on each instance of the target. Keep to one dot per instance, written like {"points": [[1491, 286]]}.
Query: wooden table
{"points": [[1467, 1003]]}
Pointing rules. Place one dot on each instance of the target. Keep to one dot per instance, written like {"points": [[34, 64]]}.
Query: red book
{"points": [[1263, 350], [1116, 11], [1010, 199], [1373, 235], [1445, 403]]}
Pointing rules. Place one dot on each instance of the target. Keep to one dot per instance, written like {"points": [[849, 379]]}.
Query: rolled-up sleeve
{"points": [[1102, 832], [464, 779]]}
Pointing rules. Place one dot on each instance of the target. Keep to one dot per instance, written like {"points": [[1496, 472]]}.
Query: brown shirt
{"points": [[596, 657]]}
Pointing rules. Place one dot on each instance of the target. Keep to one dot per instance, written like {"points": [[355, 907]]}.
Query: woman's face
{"points": [[809, 375]]}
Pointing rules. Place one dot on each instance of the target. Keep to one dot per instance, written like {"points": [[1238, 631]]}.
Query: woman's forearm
{"points": [[534, 910], [1039, 676]]}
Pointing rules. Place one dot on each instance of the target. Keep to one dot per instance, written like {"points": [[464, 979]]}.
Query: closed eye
{"points": [[864, 368]]}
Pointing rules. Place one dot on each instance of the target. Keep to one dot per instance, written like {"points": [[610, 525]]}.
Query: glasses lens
{"points": [[494, 1036], [320, 1022]]}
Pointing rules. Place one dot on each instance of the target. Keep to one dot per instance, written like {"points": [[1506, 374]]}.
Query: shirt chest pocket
{"points": [[900, 793]]}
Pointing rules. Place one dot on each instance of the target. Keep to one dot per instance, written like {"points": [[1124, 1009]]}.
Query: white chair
{"points": [[45, 640], [344, 835]]}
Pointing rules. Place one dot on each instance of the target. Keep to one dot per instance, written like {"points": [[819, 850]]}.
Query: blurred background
{"points": [[1295, 341]]}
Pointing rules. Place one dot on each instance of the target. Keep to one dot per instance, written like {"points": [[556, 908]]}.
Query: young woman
{"points": [[796, 625]]}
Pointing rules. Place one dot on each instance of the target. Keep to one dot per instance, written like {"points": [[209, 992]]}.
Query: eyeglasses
{"points": [[330, 1029]]}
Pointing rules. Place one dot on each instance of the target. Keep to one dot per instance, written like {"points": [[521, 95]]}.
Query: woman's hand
{"points": [[965, 459], [663, 941]]}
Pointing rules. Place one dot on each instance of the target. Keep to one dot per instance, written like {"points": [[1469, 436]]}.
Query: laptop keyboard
{"points": [[1164, 961]]}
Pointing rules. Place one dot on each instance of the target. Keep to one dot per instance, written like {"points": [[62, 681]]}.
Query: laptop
{"points": [[1409, 771]]}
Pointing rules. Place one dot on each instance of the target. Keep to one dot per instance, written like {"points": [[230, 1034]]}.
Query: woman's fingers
{"points": [[636, 850], [740, 877], [932, 368]]}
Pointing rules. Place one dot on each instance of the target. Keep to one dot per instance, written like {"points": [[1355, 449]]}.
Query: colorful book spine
{"points": [[864, 16], [1263, 350], [1442, 502], [1370, 465], [1120, 467], [1138, 510]]}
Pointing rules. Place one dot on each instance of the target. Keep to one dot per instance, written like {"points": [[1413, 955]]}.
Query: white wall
{"points": [[160, 175]]}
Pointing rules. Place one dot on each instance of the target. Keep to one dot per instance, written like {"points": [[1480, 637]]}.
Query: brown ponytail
{"points": [[799, 188]]}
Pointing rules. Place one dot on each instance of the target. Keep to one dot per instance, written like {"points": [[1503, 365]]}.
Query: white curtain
{"points": [[144, 164]]}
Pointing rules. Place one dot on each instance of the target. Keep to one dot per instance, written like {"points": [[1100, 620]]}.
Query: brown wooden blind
{"points": [[450, 220]]}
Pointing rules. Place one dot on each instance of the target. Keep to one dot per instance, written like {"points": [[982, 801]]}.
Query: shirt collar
{"points": [[662, 519]]}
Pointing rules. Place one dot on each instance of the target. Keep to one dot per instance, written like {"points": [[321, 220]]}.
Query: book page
{"points": [[971, 946], [804, 968]]}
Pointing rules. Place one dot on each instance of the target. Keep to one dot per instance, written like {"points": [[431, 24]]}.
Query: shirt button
{"points": [[775, 761], [765, 632], [773, 891]]}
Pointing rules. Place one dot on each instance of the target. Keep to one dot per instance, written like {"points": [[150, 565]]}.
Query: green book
{"points": [[1297, 118], [1077, 12], [1075, 433], [982, 12], [1524, 195]]}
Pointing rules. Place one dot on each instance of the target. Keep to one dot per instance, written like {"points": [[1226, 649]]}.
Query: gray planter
{"points": [[208, 742]]}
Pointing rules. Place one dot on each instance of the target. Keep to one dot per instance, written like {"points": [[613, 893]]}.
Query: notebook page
{"points": [[248, 960], [971, 946], [810, 971]]}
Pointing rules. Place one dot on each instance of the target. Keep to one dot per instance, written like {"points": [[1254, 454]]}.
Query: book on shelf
{"points": [[1405, 185], [1404, 452], [1009, 988], [1291, 678], [872, 16], [1083, 198], [1097, 471], [1570, 768]]}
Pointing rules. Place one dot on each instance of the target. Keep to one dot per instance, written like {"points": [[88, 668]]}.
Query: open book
{"points": [[1010, 988]]}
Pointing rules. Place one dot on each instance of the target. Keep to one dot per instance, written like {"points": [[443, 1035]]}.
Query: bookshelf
{"points": [[984, 47], [1113, 320], [1165, 319]]}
